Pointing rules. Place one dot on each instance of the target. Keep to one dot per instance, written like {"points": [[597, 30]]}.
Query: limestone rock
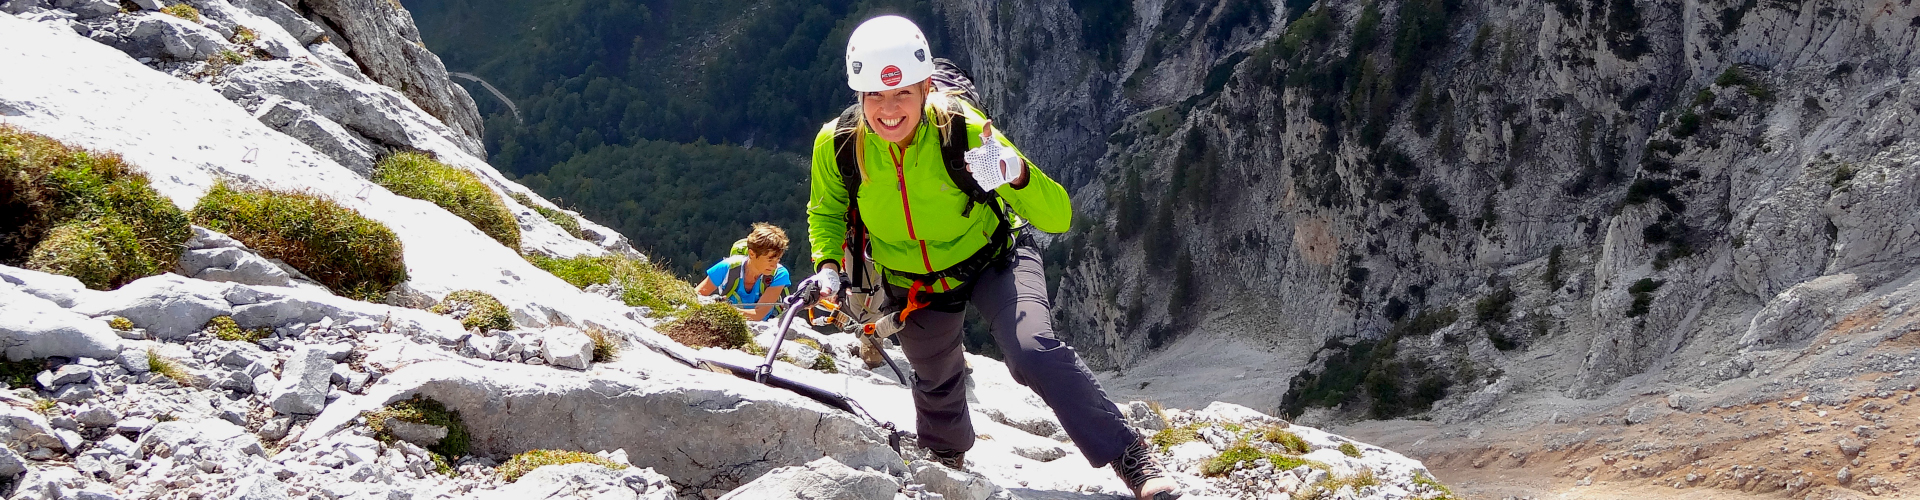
{"points": [[11, 465], [955, 484], [381, 37], [215, 439], [1800, 312], [161, 36], [823, 478], [303, 385], [235, 265], [62, 290], [32, 327], [169, 306], [260, 487], [88, 9], [419, 434], [23, 430], [568, 347], [583, 480], [299, 120]]}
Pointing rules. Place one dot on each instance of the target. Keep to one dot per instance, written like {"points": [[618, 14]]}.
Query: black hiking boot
{"points": [[956, 460], [1142, 472]]}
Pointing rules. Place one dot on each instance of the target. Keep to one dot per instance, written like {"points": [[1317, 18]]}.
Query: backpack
{"points": [[862, 276], [737, 270]]}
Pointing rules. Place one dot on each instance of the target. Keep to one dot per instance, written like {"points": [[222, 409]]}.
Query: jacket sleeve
{"points": [[826, 202], [1043, 202]]}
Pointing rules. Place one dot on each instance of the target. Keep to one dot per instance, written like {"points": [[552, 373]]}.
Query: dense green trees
{"points": [[676, 122]]}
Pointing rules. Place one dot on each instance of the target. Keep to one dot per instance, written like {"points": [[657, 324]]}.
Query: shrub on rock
{"points": [[710, 325], [418, 176], [355, 256], [475, 310], [83, 214], [639, 283], [524, 463], [605, 345]]}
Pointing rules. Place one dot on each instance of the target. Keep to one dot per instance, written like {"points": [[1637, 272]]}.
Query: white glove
{"points": [[992, 164], [827, 282]]}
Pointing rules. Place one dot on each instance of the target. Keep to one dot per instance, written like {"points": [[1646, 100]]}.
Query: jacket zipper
{"points": [[900, 172]]}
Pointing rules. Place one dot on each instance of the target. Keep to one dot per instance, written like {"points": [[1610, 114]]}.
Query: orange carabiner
{"points": [[913, 301]]}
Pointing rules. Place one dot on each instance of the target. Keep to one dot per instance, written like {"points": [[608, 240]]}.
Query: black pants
{"points": [[1013, 299]]}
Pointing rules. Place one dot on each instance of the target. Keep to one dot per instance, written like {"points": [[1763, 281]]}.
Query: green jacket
{"points": [[912, 208]]}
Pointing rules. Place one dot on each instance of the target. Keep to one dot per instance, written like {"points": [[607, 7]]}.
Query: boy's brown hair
{"points": [[766, 238]]}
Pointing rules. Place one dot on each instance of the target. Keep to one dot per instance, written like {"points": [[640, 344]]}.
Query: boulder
{"points": [[747, 429], [11, 465], [568, 347], [98, 417], [32, 327], [419, 434], [159, 36], [955, 485], [1799, 313], [168, 306], [584, 480], [823, 478], [66, 374], [324, 135], [382, 38], [236, 265], [304, 381], [23, 430]]}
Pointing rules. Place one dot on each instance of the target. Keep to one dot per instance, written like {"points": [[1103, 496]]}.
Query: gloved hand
{"points": [[825, 283], [992, 164]]}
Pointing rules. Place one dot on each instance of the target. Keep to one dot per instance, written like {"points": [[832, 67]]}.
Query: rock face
{"points": [[381, 37], [1723, 155]]}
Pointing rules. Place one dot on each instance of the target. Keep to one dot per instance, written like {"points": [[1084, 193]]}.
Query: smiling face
{"points": [[895, 114]]}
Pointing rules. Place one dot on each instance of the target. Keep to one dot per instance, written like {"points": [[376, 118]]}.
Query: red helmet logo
{"points": [[890, 75]]}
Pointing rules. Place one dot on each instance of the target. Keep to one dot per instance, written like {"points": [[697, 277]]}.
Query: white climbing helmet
{"points": [[886, 53]]}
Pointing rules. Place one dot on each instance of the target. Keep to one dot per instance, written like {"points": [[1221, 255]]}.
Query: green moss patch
{"points": [[1243, 454], [1350, 450], [83, 214], [564, 220], [416, 175], [422, 410], [641, 283], [1175, 436], [825, 363], [182, 11], [224, 328], [524, 463], [712, 325], [476, 310], [355, 256]]}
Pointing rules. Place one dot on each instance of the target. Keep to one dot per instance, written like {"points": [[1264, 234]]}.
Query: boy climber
{"points": [[751, 273]]}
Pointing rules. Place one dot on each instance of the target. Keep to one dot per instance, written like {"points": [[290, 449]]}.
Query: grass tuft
{"points": [[712, 325], [1232, 458], [606, 346], [243, 35], [1435, 490], [355, 256], [1350, 450], [565, 221], [170, 369], [642, 283], [44, 406], [224, 328], [1326, 488], [422, 410], [119, 323], [182, 11], [416, 175], [476, 310], [83, 214], [524, 463], [1286, 439]]}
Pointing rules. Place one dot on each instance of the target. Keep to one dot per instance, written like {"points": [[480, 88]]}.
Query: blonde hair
{"points": [[943, 112], [766, 238]]}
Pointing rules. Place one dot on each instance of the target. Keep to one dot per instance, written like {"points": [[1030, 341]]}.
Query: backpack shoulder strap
{"points": [[953, 152], [844, 152], [736, 271]]}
